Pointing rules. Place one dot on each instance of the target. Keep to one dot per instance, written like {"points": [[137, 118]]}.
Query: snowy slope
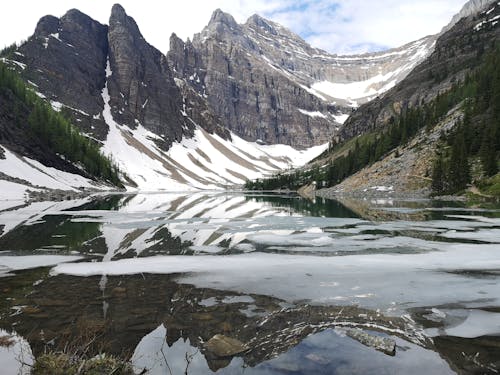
{"points": [[349, 80], [205, 161], [22, 174]]}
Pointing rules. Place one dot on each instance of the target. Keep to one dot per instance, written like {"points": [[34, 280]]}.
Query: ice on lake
{"points": [[433, 269]]}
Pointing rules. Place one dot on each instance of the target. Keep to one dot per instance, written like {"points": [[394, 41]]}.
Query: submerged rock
{"points": [[382, 344], [223, 346]]}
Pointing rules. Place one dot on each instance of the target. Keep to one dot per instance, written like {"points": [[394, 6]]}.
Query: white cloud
{"points": [[341, 26]]}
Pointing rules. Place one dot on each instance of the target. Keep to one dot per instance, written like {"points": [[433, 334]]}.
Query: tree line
{"points": [[56, 131], [477, 135]]}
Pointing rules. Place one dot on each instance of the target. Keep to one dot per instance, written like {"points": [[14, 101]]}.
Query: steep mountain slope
{"points": [[448, 104], [198, 118], [454, 54], [40, 150], [266, 83], [119, 90], [142, 89], [447, 95]]}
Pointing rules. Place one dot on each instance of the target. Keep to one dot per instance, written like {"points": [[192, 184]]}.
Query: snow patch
{"points": [[312, 113]]}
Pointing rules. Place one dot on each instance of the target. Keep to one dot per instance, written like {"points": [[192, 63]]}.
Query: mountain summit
{"points": [[208, 113]]}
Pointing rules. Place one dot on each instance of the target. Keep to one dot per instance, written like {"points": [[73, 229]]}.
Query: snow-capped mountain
{"points": [[238, 102], [265, 82]]}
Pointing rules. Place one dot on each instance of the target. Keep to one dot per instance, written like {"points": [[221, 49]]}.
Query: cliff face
{"points": [[455, 53], [266, 83], [258, 79], [66, 61], [141, 86], [170, 120]]}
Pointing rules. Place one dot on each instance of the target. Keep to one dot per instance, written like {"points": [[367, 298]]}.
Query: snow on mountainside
{"points": [[342, 80], [204, 161], [21, 174], [469, 8], [243, 83]]}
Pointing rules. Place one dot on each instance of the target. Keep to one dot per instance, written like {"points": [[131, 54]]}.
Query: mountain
{"points": [[266, 83], [119, 91], [438, 128], [240, 101]]}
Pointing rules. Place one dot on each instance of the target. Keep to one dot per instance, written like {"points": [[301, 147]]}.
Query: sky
{"points": [[337, 26]]}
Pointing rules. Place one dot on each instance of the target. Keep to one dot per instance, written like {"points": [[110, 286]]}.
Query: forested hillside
{"points": [[30, 126], [476, 136]]}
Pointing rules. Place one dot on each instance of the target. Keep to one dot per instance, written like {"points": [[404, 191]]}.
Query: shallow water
{"points": [[153, 277]]}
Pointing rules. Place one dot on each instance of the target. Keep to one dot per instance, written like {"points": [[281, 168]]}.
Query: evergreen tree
{"points": [[438, 175], [459, 170], [487, 152]]}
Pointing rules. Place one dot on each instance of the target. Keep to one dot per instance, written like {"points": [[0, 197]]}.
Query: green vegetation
{"points": [[356, 154], [7, 51], [490, 186], [478, 135], [56, 132]]}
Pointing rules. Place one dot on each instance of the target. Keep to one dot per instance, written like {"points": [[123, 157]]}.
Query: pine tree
{"points": [[459, 173], [438, 176], [487, 152]]}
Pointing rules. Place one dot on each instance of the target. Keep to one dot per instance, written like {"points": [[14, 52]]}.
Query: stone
{"points": [[223, 346], [382, 344]]}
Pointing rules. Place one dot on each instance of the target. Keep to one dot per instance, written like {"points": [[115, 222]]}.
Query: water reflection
{"points": [[290, 279], [160, 323]]}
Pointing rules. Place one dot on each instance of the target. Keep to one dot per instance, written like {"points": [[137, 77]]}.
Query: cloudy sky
{"points": [[338, 26]]}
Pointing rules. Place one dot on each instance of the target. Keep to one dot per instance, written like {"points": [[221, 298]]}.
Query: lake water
{"points": [[306, 286]]}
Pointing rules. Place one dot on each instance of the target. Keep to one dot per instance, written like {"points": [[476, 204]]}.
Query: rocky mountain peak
{"points": [[118, 12], [262, 23], [219, 16], [141, 87], [120, 20], [47, 25], [469, 8], [221, 25]]}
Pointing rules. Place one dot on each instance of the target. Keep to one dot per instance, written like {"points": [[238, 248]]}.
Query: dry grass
{"points": [[63, 364]]}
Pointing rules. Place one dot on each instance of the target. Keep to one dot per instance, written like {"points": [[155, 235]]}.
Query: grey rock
{"points": [[65, 60], [471, 7], [257, 78], [382, 344], [141, 86], [454, 55]]}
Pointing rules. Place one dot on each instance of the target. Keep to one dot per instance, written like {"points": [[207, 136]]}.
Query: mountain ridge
{"points": [[235, 86]]}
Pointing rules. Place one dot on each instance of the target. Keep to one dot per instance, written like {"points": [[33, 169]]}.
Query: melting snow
{"points": [[311, 113], [39, 175], [205, 161], [341, 118]]}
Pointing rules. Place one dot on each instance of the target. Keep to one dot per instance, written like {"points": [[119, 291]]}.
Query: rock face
{"points": [[454, 55], [469, 8], [170, 118], [65, 60], [268, 84], [258, 79], [223, 346], [141, 87]]}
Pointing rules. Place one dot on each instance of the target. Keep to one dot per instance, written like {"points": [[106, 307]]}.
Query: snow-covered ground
{"points": [[205, 161], [28, 174]]}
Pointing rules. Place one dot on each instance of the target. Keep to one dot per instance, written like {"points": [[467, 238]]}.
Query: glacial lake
{"points": [[305, 286]]}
